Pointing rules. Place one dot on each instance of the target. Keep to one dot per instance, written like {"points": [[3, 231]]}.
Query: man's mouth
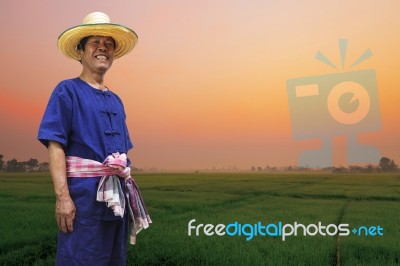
{"points": [[101, 57]]}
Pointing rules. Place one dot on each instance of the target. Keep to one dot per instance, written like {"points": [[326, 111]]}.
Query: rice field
{"points": [[28, 229]]}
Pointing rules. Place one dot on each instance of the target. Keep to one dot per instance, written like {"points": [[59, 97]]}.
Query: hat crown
{"points": [[96, 18]]}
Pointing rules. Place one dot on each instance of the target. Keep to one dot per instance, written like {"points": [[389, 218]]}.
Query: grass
{"points": [[28, 229]]}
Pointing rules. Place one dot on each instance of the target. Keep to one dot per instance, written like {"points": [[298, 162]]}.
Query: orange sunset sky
{"points": [[206, 85]]}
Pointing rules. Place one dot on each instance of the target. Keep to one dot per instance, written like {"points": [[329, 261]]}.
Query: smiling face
{"points": [[97, 54]]}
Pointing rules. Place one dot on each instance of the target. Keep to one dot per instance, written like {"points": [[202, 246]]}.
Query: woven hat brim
{"points": [[124, 37]]}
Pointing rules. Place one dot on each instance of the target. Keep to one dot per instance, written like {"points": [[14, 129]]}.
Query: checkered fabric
{"points": [[110, 190]]}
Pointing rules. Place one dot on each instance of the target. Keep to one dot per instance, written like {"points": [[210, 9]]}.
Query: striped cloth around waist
{"points": [[110, 190]]}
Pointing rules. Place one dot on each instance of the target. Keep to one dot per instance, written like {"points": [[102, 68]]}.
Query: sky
{"points": [[206, 85]]}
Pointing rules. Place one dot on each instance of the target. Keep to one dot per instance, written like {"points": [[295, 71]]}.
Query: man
{"points": [[85, 132]]}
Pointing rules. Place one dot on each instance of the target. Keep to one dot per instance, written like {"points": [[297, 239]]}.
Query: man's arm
{"points": [[65, 207]]}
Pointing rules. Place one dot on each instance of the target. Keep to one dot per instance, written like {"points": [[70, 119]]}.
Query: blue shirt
{"points": [[90, 124]]}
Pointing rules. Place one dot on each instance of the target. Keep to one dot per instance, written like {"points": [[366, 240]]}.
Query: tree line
{"points": [[13, 165], [385, 165], [32, 165]]}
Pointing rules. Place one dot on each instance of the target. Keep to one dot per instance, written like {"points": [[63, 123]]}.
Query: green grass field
{"points": [[28, 229]]}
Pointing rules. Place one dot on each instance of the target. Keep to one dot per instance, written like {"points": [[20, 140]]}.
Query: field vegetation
{"points": [[28, 229]]}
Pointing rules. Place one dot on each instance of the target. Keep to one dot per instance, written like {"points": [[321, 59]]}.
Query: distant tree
{"points": [[340, 169], [253, 168], [1, 162], [355, 169], [14, 166], [32, 163], [44, 166], [259, 169], [387, 165], [370, 168]]}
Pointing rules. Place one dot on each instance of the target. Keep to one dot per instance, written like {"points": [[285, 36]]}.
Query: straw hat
{"points": [[97, 23]]}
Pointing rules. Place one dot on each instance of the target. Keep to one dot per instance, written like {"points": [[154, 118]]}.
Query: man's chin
{"points": [[103, 67]]}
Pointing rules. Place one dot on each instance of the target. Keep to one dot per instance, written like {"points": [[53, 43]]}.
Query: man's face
{"points": [[98, 54]]}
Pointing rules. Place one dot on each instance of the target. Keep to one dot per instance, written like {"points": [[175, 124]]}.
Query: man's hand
{"points": [[65, 213]]}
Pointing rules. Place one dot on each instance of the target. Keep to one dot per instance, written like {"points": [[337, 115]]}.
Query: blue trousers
{"points": [[93, 242]]}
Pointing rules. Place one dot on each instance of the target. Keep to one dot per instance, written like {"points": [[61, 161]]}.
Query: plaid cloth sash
{"points": [[110, 190]]}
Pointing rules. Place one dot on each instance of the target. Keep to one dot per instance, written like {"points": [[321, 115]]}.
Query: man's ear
{"points": [[80, 53]]}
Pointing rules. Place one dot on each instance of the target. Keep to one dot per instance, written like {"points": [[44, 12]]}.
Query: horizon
{"points": [[231, 168]]}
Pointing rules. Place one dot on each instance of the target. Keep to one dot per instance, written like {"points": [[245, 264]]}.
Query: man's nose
{"points": [[102, 46]]}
